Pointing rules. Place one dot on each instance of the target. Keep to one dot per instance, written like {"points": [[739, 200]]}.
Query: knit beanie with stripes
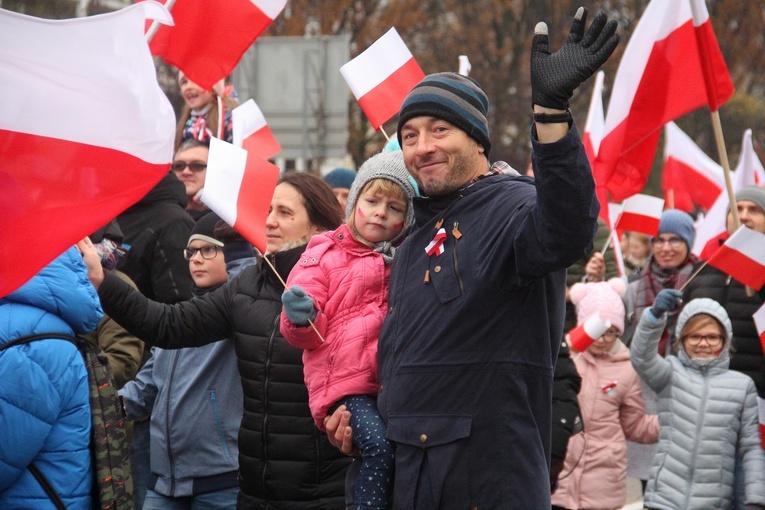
{"points": [[454, 98]]}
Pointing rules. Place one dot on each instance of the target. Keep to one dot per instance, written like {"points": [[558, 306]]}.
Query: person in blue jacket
{"points": [[44, 400], [477, 289]]}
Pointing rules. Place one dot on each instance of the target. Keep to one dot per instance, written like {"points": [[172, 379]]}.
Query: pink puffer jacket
{"points": [[594, 474], [349, 285]]}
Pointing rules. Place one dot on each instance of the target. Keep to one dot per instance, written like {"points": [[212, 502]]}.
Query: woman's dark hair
{"points": [[323, 208]]}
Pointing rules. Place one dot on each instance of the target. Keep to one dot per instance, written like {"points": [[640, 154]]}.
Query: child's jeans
{"points": [[375, 481]]}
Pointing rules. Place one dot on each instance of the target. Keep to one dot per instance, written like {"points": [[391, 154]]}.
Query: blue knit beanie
{"points": [[454, 98], [680, 223], [340, 178]]}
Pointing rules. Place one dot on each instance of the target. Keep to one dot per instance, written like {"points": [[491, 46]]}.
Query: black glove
{"points": [[555, 76], [666, 301]]}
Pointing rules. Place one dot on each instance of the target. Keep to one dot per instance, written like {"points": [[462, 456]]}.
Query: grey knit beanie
{"points": [[385, 165], [674, 221], [754, 194], [454, 98], [709, 307]]}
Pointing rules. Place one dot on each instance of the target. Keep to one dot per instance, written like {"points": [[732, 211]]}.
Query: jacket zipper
{"points": [[170, 458], [219, 424], [264, 433], [454, 259], [699, 423]]}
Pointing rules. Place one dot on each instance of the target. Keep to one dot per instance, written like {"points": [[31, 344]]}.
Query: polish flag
{"points": [[85, 130], [641, 213], [238, 188], [593, 134], [382, 76], [251, 132], [210, 36], [749, 171], [672, 65], [759, 322], [761, 413], [689, 176], [582, 336], [743, 257]]}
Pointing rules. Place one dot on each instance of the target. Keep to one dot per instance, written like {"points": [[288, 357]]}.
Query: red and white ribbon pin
{"points": [[436, 246]]}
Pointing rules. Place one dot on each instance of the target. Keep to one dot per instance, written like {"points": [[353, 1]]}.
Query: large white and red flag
{"points": [[593, 134], [210, 36], [748, 171], [641, 213], [743, 257], [671, 66], [759, 322], [689, 176], [251, 131], [85, 130], [381, 77], [238, 188]]}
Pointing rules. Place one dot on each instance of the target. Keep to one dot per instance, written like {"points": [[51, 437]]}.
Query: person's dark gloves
{"points": [[666, 301], [556, 466], [554, 76], [298, 306]]}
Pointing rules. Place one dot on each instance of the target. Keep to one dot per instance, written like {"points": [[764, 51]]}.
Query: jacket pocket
{"points": [[219, 424], [432, 459]]}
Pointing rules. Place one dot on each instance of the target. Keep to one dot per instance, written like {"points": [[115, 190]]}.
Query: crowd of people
{"points": [[402, 341]]}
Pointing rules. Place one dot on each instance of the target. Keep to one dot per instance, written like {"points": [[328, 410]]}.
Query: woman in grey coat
{"points": [[707, 413]]}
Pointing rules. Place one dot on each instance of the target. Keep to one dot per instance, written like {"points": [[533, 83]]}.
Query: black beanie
{"points": [[204, 229], [454, 98]]}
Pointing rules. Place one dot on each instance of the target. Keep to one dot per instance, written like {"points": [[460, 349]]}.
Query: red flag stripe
{"points": [[254, 200], [689, 185], [384, 100], [739, 265], [262, 144]]}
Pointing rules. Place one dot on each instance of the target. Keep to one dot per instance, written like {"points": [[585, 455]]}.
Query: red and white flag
{"points": [[748, 171], [689, 176], [238, 188], [85, 130], [582, 336], [672, 65], [381, 77], [593, 134], [743, 257], [210, 36], [641, 213], [251, 132]]}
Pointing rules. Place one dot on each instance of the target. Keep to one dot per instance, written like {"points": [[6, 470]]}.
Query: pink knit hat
{"points": [[602, 297]]}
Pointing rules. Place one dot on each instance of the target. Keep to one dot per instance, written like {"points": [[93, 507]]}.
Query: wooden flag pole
{"points": [[384, 134], [265, 257], [155, 24]]}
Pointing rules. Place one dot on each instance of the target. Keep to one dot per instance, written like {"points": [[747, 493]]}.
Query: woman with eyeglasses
{"points": [[594, 474], [193, 399], [190, 167], [285, 462], [708, 414], [669, 266]]}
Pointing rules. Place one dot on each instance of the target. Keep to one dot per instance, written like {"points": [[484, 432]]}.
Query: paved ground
{"points": [[634, 495]]}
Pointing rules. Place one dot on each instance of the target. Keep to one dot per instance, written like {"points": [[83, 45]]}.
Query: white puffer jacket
{"points": [[707, 416]]}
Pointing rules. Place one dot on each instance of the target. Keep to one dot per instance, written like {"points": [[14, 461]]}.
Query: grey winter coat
{"points": [[707, 416]]}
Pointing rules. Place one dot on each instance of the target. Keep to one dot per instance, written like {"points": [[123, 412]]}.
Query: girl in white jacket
{"points": [[707, 413]]}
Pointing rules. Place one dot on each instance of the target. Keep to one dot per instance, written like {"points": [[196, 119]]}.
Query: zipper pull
{"points": [[427, 276], [456, 230]]}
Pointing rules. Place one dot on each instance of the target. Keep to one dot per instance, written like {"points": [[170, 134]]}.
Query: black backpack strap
{"points": [[40, 336], [46, 486]]}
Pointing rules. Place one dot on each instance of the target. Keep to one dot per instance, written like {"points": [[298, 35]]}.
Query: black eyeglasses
{"points": [[207, 252], [180, 166], [674, 242]]}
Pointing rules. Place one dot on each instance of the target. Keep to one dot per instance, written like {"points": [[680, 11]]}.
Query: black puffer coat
{"points": [[285, 462], [746, 355]]}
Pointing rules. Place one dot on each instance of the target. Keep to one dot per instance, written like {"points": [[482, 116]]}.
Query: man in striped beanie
{"points": [[477, 289]]}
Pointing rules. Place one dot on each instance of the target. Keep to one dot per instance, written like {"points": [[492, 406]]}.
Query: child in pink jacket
{"points": [[340, 285], [594, 474]]}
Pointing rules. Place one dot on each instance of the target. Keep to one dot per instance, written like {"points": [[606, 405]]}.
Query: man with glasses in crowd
{"points": [[190, 167]]}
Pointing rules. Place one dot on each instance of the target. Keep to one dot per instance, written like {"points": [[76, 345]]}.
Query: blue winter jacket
{"points": [[44, 409]]}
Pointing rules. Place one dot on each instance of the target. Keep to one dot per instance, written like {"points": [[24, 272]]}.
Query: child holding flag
{"points": [[707, 413], [334, 306], [595, 471]]}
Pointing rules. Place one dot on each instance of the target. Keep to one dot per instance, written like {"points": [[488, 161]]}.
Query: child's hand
{"points": [[92, 261], [666, 301], [298, 306]]}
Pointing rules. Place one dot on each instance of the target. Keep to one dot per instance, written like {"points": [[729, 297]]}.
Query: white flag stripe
{"points": [[56, 52], [246, 119], [749, 242], [681, 147], [761, 409], [759, 320], [385, 56], [659, 20], [595, 124], [644, 205], [225, 171], [614, 211], [270, 8], [595, 327]]}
